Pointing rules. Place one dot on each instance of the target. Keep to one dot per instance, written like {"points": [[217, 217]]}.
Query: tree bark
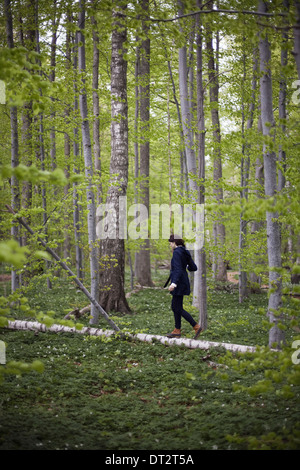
{"points": [[276, 335], [112, 264]]}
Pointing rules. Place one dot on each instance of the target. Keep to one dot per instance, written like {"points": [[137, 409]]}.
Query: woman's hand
{"points": [[172, 287]]}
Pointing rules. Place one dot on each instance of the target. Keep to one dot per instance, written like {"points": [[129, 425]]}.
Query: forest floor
{"points": [[111, 394]]}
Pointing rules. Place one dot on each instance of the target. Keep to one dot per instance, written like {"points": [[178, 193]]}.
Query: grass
{"points": [[116, 394]]}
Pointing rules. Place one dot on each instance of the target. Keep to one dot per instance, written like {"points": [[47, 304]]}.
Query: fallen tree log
{"points": [[189, 343]]}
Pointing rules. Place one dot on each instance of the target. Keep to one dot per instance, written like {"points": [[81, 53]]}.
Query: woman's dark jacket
{"points": [[180, 261]]}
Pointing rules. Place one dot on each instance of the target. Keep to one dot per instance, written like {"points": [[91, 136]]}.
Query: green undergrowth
{"points": [[118, 394]]}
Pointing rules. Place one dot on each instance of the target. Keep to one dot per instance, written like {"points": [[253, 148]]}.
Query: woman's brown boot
{"points": [[198, 330], [175, 334]]}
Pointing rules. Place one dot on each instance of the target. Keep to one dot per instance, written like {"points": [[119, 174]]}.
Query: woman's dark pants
{"points": [[177, 307]]}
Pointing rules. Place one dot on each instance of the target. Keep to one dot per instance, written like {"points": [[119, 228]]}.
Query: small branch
{"points": [[221, 10]]}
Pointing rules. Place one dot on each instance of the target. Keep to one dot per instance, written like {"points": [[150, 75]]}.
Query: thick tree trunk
{"points": [[276, 335], [112, 263], [143, 261], [88, 162]]}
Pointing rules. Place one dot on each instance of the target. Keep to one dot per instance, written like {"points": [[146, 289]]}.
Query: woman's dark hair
{"points": [[177, 240]]}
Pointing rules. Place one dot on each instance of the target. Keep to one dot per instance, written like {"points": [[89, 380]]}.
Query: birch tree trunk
{"points": [[143, 262], [189, 343], [88, 162], [276, 335], [15, 200], [112, 269]]}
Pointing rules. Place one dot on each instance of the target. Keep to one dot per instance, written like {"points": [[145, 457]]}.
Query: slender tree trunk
{"points": [[200, 286], [77, 224], [297, 37], [88, 162], [143, 261], [186, 118], [219, 265], [276, 335], [245, 166], [112, 269], [96, 108], [67, 146], [282, 103], [96, 125], [15, 199], [41, 146], [27, 39]]}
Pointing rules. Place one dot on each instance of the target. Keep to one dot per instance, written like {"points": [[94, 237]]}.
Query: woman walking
{"points": [[180, 285]]}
